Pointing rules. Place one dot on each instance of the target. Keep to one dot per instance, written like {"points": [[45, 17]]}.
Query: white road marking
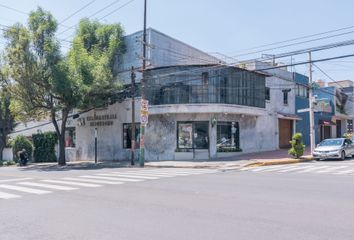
{"points": [[73, 183], [151, 174], [344, 172], [4, 195], [312, 169], [112, 178], [93, 181], [15, 180], [282, 167], [294, 169], [158, 172], [126, 176], [268, 168], [50, 186], [331, 169], [24, 189]]}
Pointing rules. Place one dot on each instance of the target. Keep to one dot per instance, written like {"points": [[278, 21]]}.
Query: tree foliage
{"points": [[6, 118], [96, 48], [41, 86], [19, 143], [46, 83], [44, 146]]}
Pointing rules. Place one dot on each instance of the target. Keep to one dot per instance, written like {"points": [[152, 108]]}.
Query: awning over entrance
{"points": [[326, 122], [289, 116]]}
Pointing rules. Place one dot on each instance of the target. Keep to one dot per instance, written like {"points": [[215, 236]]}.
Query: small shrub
{"points": [[229, 149], [348, 135], [9, 163], [297, 146], [19, 143], [44, 147]]}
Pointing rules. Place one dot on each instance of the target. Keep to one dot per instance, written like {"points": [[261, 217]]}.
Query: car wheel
{"points": [[342, 155]]}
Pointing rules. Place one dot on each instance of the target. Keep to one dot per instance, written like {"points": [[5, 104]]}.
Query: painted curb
{"points": [[279, 162]]}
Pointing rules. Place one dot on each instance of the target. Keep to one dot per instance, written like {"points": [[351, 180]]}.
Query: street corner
{"points": [[279, 162]]}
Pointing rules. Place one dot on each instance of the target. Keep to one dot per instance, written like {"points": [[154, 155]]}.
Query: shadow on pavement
{"points": [[47, 167]]}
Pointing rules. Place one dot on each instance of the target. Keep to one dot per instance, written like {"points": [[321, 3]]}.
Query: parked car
{"points": [[338, 148]]}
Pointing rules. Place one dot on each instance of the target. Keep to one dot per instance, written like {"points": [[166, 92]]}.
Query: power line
{"points": [[110, 13], [95, 13], [293, 44], [13, 9], [298, 38], [77, 11]]}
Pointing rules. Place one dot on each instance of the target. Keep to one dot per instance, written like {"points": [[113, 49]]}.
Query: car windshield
{"points": [[331, 142]]}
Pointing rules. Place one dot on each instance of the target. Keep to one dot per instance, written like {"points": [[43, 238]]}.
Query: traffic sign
{"points": [[303, 110]]}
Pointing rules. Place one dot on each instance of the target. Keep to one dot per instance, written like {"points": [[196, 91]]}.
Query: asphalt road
{"points": [[221, 205]]}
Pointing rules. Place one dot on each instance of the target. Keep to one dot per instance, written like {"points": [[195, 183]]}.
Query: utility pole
{"points": [[311, 112], [133, 117], [142, 126], [95, 145]]}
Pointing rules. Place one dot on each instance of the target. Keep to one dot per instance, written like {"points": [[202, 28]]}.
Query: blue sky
{"points": [[224, 26]]}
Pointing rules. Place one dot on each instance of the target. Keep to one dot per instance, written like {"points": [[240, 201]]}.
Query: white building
{"points": [[198, 109]]}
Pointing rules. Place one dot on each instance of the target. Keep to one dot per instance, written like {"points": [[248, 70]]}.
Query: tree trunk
{"points": [[1, 150], [2, 144], [62, 160], [61, 135]]}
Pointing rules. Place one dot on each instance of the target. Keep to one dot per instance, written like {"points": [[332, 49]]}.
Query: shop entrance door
{"points": [[201, 140], [339, 128], [285, 132], [325, 132]]}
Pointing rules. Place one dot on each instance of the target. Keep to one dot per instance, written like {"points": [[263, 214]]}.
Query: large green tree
{"points": [[41, 85], [6, 118], [95, 50], [46, 83]]}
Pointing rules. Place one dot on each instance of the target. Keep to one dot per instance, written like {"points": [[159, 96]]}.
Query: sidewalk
{"points": [[244, 160], [251, 159], [77, 165]]}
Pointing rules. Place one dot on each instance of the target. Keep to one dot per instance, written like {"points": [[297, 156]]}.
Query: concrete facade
{"points": [[162, 50], [302, 102], [227, 95], [279, 82]]}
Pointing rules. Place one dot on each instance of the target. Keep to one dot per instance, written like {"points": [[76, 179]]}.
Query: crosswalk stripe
{"points": [[180, 169], [157, 172], [14, 180], [190, 171], [312, 169], [127, 176], [185, 170], [93, 181], [344, 172], [283, 167], [112, 178], [50, 186], [151, 174], [4, 195], [73, 183], [266, 168], [331, 169], [246, 168], [166, 172], [24, 189], [294, 169]]}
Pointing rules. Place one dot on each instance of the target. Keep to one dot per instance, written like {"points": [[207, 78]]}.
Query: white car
{"points": [[338, 148]]}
